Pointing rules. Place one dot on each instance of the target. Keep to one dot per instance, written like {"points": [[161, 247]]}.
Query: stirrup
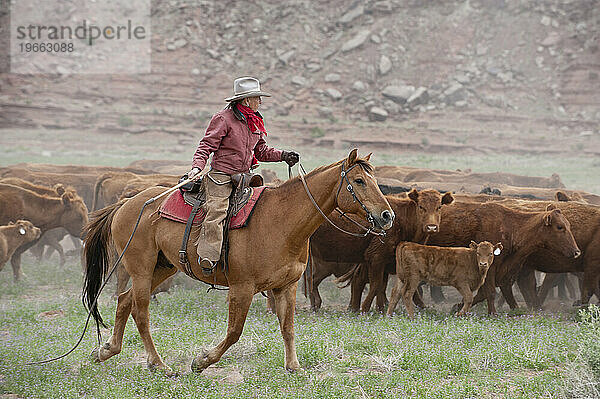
{"points": [[207, 271]]}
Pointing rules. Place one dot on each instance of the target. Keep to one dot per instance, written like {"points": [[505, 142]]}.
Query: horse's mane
{"points": [[288, 184]]}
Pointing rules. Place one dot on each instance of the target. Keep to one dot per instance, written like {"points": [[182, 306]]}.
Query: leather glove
{"points": [[193, 172], [290, 157]]}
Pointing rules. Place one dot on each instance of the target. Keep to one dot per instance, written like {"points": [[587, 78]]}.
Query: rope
{"points": [[107, 278]]}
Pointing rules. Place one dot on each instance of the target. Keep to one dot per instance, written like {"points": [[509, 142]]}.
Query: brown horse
{"points": [[269, 254]]}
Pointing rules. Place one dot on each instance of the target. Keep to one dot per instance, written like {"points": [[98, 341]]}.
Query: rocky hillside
{"points": [[448, 66]]}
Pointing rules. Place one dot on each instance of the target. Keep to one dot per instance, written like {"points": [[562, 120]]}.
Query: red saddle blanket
{"points": [[174, 208]]}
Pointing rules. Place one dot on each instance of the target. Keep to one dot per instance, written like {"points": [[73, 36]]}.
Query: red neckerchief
{"points": [[255, 122]]}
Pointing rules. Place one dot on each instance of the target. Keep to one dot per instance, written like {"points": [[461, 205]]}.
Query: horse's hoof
{"points": [[293, 369], [166, 370], [95, 355], [200, 363]]}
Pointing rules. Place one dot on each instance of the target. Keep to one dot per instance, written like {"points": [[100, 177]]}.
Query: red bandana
{"points": [[255, 122]]}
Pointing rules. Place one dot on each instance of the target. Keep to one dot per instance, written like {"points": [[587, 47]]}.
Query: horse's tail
{"points": [[96, 252], [347, 278], [99, 181]]}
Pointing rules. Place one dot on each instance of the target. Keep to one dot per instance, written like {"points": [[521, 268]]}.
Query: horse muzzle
{"points": [[385, 220]]}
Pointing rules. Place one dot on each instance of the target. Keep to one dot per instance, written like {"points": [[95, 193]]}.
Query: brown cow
{"points": [[72, 169], [402, 173], [52, 237], [57, 189], [112, 186], [412, 174], [416, 217], [141, 183], [15, 235], [585, 224], [83, 183], [391, 186], [562, 281], [44, 211], [545, 260], [462, 268], [159, 165], [108, 188], [487, 178], [520, 232]]}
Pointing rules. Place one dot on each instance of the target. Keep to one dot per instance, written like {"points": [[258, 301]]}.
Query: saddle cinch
{"points": [[185, 206]]}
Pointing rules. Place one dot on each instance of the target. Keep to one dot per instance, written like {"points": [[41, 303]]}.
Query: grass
{"points": [[517, 355], [342, 354]]}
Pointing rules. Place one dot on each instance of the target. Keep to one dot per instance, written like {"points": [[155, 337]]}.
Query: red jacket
{"points": [[230, 139]]}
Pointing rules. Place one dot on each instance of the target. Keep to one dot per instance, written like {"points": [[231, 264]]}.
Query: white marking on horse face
{"points": [[22, 231], [497, 251], [370, 175]]}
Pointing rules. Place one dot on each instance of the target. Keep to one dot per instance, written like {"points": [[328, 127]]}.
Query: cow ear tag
{"points": [[497, 251], [22, 231]]}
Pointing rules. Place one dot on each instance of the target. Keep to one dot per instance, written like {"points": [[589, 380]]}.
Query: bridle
{"points": [[344, 178]]}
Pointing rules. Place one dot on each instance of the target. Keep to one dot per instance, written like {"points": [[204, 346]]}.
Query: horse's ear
{"points": [[11, 223], [561, 196], [473, 245], [352, 157], [551, 207], [413, 195], [66, 198], [447, 198], [368, 157]]}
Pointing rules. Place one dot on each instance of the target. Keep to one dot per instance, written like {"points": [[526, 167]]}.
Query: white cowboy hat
{"points": [[246, 87]]}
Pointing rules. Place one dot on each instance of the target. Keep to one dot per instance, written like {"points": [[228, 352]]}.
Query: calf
{"points": [[416, 220], [13, 236], [333, 252], [463, 268], [522, 233]]}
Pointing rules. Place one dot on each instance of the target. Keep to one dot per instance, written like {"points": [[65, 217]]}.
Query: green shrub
{"points": [[316, 132], [125, 121]]}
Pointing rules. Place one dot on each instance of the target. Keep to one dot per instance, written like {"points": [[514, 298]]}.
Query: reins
{"points": [[343, 174]]}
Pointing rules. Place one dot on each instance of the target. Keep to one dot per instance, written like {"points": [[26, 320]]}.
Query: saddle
{"points": [[241, 202]]}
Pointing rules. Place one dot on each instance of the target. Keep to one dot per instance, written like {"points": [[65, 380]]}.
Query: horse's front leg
{"points": [[285, 306], [240, 298]]}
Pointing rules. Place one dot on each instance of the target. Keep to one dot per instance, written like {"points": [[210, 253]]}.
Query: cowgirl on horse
{"points": [[236, 138]]}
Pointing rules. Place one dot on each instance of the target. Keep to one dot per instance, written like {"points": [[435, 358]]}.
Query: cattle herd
{"points": [[474, 231]]}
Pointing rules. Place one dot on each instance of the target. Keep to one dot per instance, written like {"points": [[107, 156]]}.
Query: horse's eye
{"points": [[560, 227], [359, 181]]}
